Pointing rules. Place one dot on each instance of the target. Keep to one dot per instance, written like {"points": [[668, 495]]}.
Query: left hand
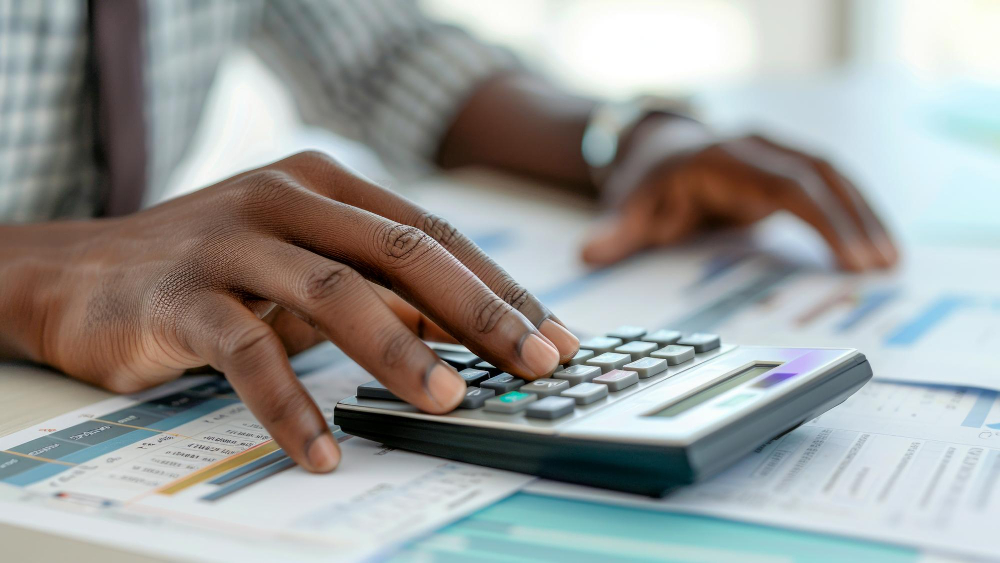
{"points": [[675, 179]]}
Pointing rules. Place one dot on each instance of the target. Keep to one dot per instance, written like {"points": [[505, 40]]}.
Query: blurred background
{"points": [[903, 94]]}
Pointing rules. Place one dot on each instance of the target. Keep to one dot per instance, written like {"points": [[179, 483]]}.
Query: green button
{"points": [[736, 400], [514, 396]]}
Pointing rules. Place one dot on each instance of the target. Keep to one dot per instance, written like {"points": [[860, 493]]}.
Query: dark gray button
{"points": [[627, 333], [581, 356], [488, 367], [601, 344], [647, 367], [701, 342], [473, 377], [663, 337], [550, 408], [578, 374], [510, 403], [458, 360], [586, 393], [475, 397], [503, 383], [609, 361], [545, 387], [675, 354], [637, 349], [375, 390]]}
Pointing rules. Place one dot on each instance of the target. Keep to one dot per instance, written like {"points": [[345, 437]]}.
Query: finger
{"points": [[657, 214], [295, 334], [365, 195], [410, 263], [799, 189], [880, 246], [424, 328], [234, 341], [343, 306]]}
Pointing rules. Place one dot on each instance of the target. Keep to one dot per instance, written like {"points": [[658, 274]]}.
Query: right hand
{"points": [[132, 302]]}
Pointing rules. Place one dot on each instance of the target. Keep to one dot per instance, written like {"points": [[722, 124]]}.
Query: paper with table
{"points": [[907, 464], [185, 471]]}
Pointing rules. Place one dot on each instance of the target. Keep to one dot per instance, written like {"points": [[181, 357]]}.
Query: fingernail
{"points": [[565, 341], [323, 453], [540, 357], [445, 386]]}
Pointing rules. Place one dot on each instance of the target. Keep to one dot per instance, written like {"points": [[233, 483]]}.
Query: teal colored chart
{"points": [[528, 527]]}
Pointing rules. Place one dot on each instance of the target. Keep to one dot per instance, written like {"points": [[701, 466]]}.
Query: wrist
{"points": [[33, 266]]}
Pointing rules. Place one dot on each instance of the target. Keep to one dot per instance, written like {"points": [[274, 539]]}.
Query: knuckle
{"points": [[402, 244], [327, 280], [284, 405], [439, 229], [488, 312], [314, 158], [515, 295], [263, 187], [396, 345]]}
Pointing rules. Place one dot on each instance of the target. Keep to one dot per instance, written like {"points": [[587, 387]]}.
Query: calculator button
{"points": [[502, 383], [581, 356], [701, 342], [647, 367], [618, 379], [545, 387], [675, 354], [637, 349], [375, 390], [458, 360], [473, 377], [510, 403], [627, 333], [609, 361], [586, 393], [578, 374], [663, 337], [550, 408], [601, 344], [475, 397], [486, 366]]}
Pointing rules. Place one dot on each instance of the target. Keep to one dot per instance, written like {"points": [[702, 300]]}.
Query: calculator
{"points": [[634, 411]]}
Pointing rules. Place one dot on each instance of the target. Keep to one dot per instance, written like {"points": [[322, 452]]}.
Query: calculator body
{"points": [[680, 426]]}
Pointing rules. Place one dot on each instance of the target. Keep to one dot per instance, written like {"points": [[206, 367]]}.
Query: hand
{"points": [[675, 179], [129, 303]]}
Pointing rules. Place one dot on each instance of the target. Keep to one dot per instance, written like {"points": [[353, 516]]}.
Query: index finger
{"points": [[307, 167]]}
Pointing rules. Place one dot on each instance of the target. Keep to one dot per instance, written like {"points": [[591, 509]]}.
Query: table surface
{"points": [[849, 117]]}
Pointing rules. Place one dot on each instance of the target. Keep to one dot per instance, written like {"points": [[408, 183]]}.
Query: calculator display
{"points": [[725, 384]]}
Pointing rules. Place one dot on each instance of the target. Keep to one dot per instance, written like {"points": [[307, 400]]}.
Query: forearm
{"points": [[522, 124]]}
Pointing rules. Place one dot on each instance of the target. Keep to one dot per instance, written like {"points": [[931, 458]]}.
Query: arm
{"points": [[235, 275]]}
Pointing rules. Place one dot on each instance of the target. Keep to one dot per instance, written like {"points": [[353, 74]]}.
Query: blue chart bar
{"points": [[573, 287], [249, 468], [936, 313], [870, 303], [274, 468], [718, 266], [494, 241], [980, 410]]}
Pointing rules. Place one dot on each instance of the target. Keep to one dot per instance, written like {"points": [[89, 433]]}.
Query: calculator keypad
{"points": [[605, 368]]}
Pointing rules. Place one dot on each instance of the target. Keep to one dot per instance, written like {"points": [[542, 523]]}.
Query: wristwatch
{"points": [[611, 122]]}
